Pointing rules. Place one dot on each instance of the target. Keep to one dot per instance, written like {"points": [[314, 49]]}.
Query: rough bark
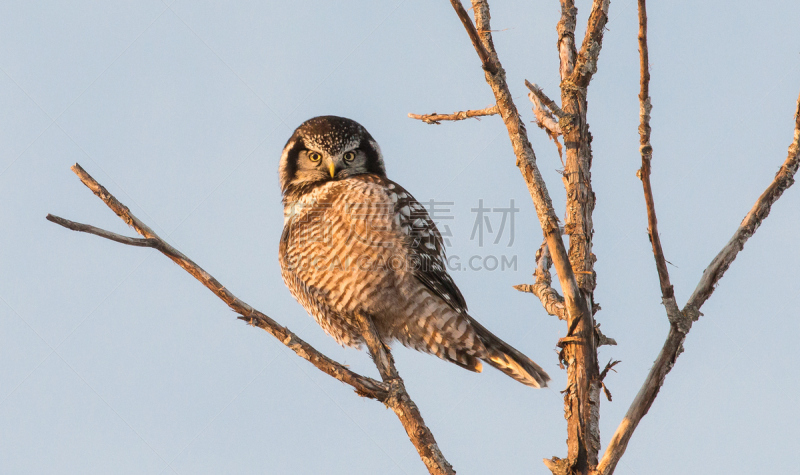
{"points": [[582, 397]]}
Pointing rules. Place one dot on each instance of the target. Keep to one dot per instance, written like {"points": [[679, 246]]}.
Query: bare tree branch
{"points": [[566, 38], [391, 392], [484, 53], [646, 150], [460, 115], [586, 64], [552, 301], [86, 228], [673, 346], [526, 161], [401, 403], [543, 110], [544, 99], [582, 397]]}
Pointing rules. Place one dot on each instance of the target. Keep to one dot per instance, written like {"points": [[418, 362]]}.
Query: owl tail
{"points": [[507, 359]]}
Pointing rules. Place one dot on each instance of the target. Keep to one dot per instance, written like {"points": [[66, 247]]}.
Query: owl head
{"points": [[327, 148]]}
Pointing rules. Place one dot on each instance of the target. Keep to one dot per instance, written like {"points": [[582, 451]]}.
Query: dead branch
{"points": [[552, 301], [646, 150], [586, 64], [460, 115], [673, 346], [526, 161], [582, 397], [542, 98], [582, 404], [401, 403], [543, 110], [484, 53], [391, 392], [545, 119], [566, 38]]}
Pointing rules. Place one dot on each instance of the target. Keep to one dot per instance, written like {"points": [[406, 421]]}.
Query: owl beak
{"points": [[332, 169]]}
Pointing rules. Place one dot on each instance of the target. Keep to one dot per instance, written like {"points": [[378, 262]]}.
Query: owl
{"points": [[355, 241]]}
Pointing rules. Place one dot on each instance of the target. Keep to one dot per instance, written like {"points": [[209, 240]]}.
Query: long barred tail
{"points": [[507, 359]]}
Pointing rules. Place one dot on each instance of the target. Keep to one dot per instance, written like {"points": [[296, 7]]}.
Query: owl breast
{"points": [[343, 250]]}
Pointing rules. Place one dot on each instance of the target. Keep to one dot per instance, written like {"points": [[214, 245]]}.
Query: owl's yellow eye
{"points": [[349, 156], [314, 156]]}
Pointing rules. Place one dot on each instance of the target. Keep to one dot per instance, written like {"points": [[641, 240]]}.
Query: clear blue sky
{"points": [[114, 360]]}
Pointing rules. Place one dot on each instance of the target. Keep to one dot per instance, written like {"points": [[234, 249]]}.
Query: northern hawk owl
{"points": [[355, 241]]}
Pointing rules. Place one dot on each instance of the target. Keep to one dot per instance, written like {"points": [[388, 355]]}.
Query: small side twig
{"points": [[544, 99], [548, 123], [552, 301], [460, 115]]}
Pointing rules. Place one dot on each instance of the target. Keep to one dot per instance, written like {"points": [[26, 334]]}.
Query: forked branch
{"points": [[681, 322], [391, 391]]}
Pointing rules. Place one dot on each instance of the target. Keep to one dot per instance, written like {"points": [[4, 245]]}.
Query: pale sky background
{"points": [[114, 360]]}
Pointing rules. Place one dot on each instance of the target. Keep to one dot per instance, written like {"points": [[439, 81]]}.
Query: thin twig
{"points": [[552, 301], [673, 345], [544, 99], [460, 115], [87, 228], [390, 392], [484, 54], [646, 150], [363, 385]]}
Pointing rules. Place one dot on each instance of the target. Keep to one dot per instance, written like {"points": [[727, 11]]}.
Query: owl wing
{"points": [[426, 249]]}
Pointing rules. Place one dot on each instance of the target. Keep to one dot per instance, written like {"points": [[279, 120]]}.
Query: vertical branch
{"points": [[566, 38], [581, 399], [646, 150], [582, 395]]}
